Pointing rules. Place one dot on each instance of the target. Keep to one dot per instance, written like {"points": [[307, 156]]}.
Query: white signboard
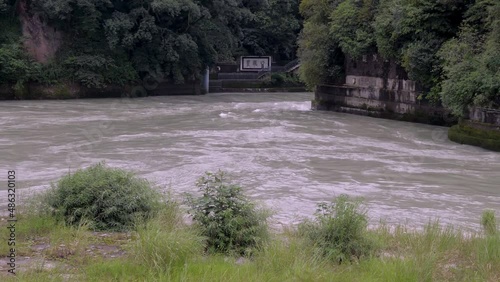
{"points": [[255, 63]]}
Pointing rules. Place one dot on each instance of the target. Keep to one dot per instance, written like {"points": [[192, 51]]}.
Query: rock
{"points": [[241, 260]]}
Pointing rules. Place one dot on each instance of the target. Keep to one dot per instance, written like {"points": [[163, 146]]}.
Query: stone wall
{"points": [[37, 91], [379, 88], [485, 115], [383, 103]]}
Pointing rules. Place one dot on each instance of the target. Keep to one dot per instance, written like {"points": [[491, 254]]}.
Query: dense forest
{"points": [[450, 47], [115, 42]]}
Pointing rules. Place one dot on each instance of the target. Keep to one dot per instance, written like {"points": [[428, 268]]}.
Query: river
{"points": [[285, 155]]}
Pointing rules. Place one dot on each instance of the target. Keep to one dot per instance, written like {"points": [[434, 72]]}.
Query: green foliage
{"points": [[84, 17], [488, 253], [462, 70], [331, 30], [165, 241], [412, 32], [350, 26], [167, 249], [96, 71], [280, 79], [471, 64], [269, 36], [117, 42], [82, 60], [489, 222], [106, 198], [450, 48], [339, 231], [173, 40], [320, 56], [229, 220], [277, 79], [17, 68], [466, 134]]}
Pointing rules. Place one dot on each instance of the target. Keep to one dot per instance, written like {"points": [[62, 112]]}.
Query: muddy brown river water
{"points": [[283, 154]]}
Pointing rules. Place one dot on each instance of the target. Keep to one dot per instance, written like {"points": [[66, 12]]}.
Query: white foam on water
{"points": [[281, 152]]}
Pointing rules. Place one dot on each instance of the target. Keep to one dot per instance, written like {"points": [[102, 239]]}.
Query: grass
{"points": [[166, 243], [166, 249], [335, 246], [339, 231]]}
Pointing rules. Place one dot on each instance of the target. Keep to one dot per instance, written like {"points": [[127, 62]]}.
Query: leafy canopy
{"points": [[449, 47]]}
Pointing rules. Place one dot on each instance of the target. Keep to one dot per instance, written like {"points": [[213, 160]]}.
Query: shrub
{"points": [[488, 222], [281, 79], [229, 220], [106, 198], [339, 231], [278, 79]]}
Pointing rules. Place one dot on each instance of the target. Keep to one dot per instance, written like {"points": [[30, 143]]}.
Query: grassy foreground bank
{"points": [[166, 249], [90, 227]]}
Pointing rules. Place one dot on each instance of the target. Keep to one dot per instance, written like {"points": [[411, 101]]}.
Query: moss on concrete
{"points": [[481, 136]]}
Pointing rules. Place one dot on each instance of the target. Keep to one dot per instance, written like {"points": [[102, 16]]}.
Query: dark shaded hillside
{"points": [[98, 43], [451, 48]]}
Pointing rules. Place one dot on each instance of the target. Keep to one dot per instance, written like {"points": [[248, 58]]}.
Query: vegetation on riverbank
{"points": [[486, 136], [101, 43], [450, 48], [333, 246], [103, 198], [166, 249]]}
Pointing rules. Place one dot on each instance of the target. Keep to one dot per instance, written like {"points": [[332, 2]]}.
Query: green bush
{"points": [[228, 219], [278, 79], [488, 222], [339, 231], [281, 79], [105, 198]]}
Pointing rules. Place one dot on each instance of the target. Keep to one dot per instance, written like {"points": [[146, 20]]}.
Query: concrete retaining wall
{"points": [[400, 104], [485, 115]]}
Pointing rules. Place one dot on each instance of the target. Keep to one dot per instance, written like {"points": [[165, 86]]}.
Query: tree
{"points": [[471, 61], [320, 56], [413, 31], [266, 35], [174, 39], [351, 26], [117, 42]]}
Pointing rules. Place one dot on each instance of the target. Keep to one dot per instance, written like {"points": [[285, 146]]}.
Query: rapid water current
{"points": [[284, 155]]}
